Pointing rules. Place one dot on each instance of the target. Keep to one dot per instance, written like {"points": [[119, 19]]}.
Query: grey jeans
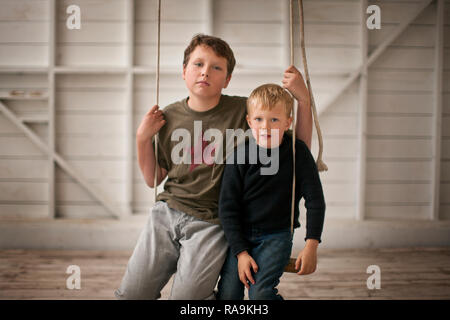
{"points": [[174, 242]]}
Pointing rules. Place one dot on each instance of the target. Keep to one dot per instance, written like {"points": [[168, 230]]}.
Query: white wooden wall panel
{"points": [[252, 35], [17, 32], [83, 147], [6, 127], [342, 192], [23, 191], [23, 210], [339, 35], [72, 192], [93, 32], [330, 11], [78, 210], [421, 58], [331, 58], [394, 11], [398, 103], [397, 148], [10, 81], [414, 35], [18, 145], [145, 84], [23, 33], [144, 100], [91, 55], [400, 117], [337, 147], [78, 101], [178, 32], [94, 10], [101, 39], [340, 171], [74, 202], [332, 35], [392, 80], [24, 10], [446, 75], [396, 212], [400, 171], [171, 55], [180, 21], [446, 148], [249, 10], [404, 125], [32, 109], [346, 104], [90, 134], [40, 129], [92, 124], [340, 125], [180, 10], [18, 177], [23, 169], [398, 192]]}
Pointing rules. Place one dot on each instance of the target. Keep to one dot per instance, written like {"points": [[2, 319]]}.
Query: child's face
{"points": [[205, 73], [263, 121]]}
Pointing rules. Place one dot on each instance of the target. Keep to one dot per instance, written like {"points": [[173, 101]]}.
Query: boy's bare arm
{"points": [[150, 125], [293, 81], [146, 159], [306, 262], [303, 127]]}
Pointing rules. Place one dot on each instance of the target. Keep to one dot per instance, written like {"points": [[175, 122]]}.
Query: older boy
{"points": [[255, 209], [183, 234]]}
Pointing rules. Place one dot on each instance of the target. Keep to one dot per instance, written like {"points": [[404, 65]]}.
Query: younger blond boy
{"points": [[255, 208]]}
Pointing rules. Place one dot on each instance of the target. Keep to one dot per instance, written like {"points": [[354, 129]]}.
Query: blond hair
{"points": [[267, 96]]}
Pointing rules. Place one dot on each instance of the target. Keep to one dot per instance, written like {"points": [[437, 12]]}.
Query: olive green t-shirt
{"points": [[189, 152]]}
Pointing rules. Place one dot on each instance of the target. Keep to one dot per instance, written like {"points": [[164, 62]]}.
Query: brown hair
{"points": [[268, 95], [219, 46]]}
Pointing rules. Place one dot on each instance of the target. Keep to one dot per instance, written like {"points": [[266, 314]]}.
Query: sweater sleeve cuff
{"points": [[235, 250], [313, 237]]}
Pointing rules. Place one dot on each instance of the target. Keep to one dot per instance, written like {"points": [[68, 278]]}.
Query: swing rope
{"points": [[158, 46], [321, 166], [294, 116]]}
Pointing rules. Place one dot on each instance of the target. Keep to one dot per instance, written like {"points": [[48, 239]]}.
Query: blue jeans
{"points": [[271, 253]]}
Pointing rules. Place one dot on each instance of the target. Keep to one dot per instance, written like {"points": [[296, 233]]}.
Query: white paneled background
{"points": [[71, 100]]}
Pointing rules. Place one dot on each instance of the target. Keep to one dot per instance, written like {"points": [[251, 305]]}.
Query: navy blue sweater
{"points": [[250, 200]]}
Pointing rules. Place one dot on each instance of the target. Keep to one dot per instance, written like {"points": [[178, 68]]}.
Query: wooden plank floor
{"points": [[409, 273]]}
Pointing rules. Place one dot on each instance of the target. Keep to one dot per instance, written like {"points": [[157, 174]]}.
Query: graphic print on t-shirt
{"points": [[198, 154]]}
